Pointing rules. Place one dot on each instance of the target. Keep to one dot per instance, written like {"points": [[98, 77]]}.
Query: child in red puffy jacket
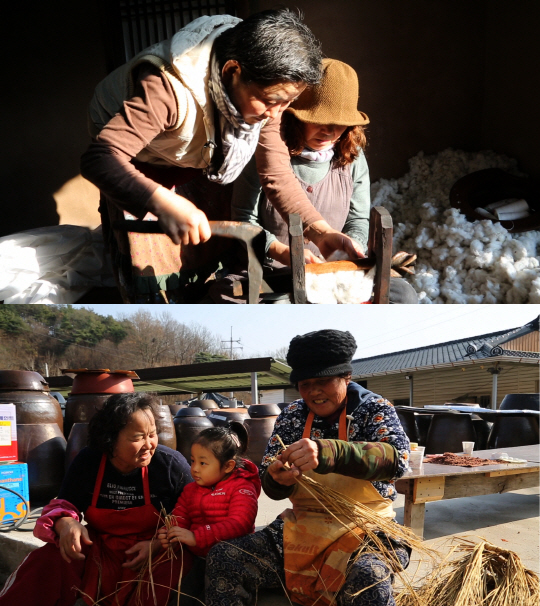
{"points": [[221, 503]]}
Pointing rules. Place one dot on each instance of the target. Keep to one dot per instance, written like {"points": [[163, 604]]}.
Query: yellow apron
{"points": [[316, 546]]}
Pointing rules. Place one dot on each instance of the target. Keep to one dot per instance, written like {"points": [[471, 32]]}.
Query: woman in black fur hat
{"points": [[348, 439]]}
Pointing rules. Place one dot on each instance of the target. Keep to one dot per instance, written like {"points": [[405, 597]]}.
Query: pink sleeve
{"points": [[277, 178], [56, 509], [238, 521]]}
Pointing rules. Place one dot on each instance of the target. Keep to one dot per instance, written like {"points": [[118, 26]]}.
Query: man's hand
{"points": [[328, 240], [180, 219], [71, 534]]}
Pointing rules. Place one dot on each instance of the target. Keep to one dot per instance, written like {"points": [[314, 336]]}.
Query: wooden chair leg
{"points": [[380, 246], [296, 245]]}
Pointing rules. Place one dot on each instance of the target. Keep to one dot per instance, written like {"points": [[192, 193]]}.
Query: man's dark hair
{"points": [[272, 46], [115, 414]]}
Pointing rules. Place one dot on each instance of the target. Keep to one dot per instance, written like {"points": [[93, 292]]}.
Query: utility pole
{"points": [[231, 341], [239, 346]]}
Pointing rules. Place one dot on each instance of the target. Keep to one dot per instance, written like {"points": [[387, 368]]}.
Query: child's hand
{"points": [[181, 535], [162, 537]]}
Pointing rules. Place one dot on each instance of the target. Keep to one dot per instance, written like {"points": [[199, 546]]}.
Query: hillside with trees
{"points": [[47, 338]]}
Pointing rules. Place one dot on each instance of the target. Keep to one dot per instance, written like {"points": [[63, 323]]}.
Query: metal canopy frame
{"points": [[229, 375]]}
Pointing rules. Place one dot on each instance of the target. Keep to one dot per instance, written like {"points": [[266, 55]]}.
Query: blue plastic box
{"points": [[13, 475]]}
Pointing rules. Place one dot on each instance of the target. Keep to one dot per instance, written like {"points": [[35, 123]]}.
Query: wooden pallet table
{"points": [[437, 482]]}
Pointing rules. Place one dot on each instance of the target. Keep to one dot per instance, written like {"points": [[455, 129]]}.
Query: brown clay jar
{"points": [[42, 447], [165, 426], [29, 392], [188, 423], [260, 425]]}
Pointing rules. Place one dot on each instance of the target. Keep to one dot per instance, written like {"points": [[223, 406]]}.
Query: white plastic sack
{"points": [[55, 264]]}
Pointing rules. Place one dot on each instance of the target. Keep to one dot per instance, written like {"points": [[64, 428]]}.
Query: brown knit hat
{"points": [[334, 100]]}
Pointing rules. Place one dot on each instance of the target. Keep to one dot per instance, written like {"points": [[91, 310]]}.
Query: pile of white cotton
{"points": [[458, 261], [340, 287]]}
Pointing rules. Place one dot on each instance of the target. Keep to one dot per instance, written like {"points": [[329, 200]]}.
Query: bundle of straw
{"points": [[369, 526], [145, 572], [144, 580], [484, 575], [367, 521]]}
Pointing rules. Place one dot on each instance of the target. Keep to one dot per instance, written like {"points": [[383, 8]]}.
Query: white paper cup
{"points": [[415, 459], [468, 447], [512, 215]]}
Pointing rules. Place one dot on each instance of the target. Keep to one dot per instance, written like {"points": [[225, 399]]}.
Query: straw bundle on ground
{"points": [[483, 575]]}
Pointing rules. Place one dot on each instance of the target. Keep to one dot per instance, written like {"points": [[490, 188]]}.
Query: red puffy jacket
{"points": [[222, 512]]}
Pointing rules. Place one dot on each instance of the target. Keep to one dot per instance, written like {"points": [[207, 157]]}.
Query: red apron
{"points": [[112, 532]]}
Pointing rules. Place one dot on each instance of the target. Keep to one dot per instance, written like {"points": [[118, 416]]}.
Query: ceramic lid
{"points": [[15, 380]]}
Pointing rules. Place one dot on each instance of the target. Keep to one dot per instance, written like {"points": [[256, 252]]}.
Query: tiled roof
{"points": [[462, 350]]}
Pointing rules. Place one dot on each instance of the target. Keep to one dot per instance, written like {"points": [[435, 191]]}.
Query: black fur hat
{"points": [[322, 353]]}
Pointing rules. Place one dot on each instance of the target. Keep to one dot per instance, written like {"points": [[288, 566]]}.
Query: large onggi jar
{"points": [[166, 432], [41, 444], [90, 390], [30, 393], [222, 416], [42, 447], [188, 423], [260, 425]]}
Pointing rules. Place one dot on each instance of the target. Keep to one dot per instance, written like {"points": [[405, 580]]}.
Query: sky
{"points": [[378, 329]]}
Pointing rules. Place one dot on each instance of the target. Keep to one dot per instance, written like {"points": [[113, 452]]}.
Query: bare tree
{"points": [[104, 355], [185, 341], [148, 340], [280, 353]]}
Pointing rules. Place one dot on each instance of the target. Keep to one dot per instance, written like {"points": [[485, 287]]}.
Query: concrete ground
{"points": [[510, 521]]}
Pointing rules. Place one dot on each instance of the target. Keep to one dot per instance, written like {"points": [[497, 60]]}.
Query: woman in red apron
{"points": [[348, 439], [118, 485]]}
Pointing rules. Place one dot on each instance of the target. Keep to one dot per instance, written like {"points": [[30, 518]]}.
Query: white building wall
{"points": [[271, 396], [277, 396]]}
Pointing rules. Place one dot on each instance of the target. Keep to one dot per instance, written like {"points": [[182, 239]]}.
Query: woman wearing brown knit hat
{"points": [[324, 132]]}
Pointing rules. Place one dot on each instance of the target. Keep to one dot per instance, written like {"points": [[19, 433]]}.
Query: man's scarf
{"points": [[238, 138]]}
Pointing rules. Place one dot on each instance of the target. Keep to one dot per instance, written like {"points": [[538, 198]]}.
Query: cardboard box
{"points": [[8, 433], [14, 476]]}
